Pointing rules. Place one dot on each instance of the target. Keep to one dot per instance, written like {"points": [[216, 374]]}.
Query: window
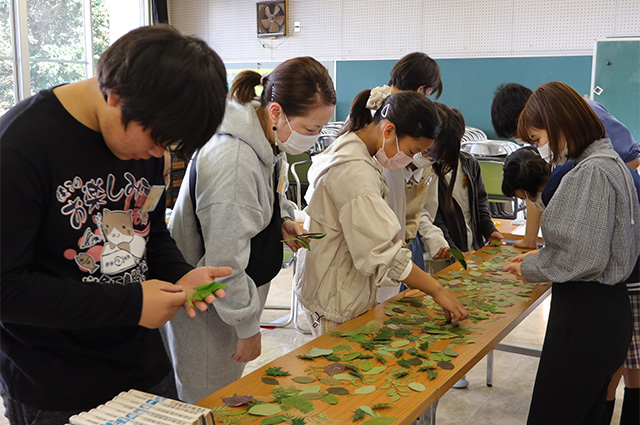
{"points": [[44, 43]]}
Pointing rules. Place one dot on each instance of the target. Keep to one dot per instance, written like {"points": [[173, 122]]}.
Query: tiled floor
{"points": [[506, 403]]}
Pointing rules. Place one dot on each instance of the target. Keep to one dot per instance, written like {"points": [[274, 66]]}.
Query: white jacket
{"points": [[339, 277]]}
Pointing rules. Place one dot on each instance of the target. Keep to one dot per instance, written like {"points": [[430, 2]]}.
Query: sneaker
{"points": [[462, 383]]}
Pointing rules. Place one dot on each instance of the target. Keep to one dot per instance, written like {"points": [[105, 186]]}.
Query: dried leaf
{"points": [[338, 391], [237, 400], [445, 365], [335, 368]]}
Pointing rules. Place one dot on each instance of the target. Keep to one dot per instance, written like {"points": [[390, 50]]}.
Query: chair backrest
{"points": [[492, 177]]}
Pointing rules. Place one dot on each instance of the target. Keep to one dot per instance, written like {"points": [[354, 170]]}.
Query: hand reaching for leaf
{"points": [[519, 258], [198, 277], [514, 268], [454, 310], [496, 238]]}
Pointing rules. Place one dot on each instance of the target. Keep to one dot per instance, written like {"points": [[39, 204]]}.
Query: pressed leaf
{"points": [[345, 377], [415, 361], [303, 379], [310, 389], [311, 396], [331, 381], [400, 343], [445, 365], [274, 420], [335, 368], [358, 414], [269, 380], [265, 410], [338, 391], [297, 402], [417, 386], [432, 374], [329, 399], [342, 347], [276, 371], [375, 370], [365, 365], [350, 356], [237, 400], [449, 352], [366, 389]]}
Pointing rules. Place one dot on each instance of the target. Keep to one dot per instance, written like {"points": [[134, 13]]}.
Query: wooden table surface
{"points": [[506, 227], [486, 334]]}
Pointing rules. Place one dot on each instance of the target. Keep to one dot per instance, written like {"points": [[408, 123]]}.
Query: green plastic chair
{"points": [[491, 170]]}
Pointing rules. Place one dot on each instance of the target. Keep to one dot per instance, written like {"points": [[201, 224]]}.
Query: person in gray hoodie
{"points": [[236, 187]]}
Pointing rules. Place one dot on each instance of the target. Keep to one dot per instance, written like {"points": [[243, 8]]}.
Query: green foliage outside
{"points": [[56, 41]]}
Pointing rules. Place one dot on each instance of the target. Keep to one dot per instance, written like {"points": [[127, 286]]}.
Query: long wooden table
{"points": [[506, 228], [486, 335]]}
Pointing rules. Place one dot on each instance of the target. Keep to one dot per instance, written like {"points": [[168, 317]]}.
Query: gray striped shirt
{"points": [[591, 226]]}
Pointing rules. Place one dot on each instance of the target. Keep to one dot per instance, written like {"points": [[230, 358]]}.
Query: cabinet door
{"points": [[616, 76]]}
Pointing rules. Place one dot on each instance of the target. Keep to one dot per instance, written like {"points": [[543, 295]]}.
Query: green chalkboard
{"points": [[617, 73], [469, 83]]}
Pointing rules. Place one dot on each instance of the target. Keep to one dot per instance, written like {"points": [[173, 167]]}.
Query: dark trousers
{"points": [[588, 335], [19, 413]]}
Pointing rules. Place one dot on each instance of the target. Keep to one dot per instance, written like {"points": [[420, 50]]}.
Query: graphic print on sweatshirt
{"points": [[113, 242]]}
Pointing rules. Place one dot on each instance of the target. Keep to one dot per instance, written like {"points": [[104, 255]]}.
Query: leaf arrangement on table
{"points": [[389, 356]]}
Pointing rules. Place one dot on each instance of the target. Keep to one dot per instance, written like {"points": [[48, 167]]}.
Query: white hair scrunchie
{"points": [[377, 96]]}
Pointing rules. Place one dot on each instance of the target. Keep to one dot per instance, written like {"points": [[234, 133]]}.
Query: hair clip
{"points": [[385, 110]]}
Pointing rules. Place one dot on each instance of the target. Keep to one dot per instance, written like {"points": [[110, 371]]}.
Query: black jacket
{"points": [[451, 222]]}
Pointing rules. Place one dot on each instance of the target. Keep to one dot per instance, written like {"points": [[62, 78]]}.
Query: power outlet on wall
{"points": [[296, 27]]}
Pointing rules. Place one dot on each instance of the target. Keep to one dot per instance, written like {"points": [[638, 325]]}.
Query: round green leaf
{"points": [[303, 379], [400, 343], [365, 365], [310, 389], [329, 399]]}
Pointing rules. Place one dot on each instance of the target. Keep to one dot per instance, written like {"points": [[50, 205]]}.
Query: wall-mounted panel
{"points": [[381, 29], [462, 28], [561, 26]]}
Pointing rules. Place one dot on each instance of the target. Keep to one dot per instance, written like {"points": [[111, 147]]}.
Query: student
{"points": [[526, 175], [237, 193], [337, 280], [508, 102], [88, 265], [591, 229], [463, 209]]}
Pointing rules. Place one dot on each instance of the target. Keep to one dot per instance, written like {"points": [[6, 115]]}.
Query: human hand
{"points": [[525, 244], [454, 310], [248, 348], [514, 268], [496, 236], [201, 276], [291, 229], [520, 257], [443, 254], [160, 301]]}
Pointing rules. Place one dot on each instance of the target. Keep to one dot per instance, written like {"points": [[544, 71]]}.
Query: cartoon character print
{"points": [[123, 248]]}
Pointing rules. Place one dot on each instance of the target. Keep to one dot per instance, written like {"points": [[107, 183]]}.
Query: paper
{"points": [[521, 229]]}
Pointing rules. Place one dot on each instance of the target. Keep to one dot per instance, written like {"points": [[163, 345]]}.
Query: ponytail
{"points": [[359, 116], [243, 89]]}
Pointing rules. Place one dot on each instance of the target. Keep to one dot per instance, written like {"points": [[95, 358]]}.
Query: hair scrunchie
{"points": [[377, 96]]}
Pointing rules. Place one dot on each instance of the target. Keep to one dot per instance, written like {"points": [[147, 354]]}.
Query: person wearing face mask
{"points": [[508, 102], [463, 207], [591, 228], [525, 173], [338, 279], [231, 210]]}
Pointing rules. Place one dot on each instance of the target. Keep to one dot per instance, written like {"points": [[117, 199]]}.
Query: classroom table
{"points": [[486, 335], [506, 228]]}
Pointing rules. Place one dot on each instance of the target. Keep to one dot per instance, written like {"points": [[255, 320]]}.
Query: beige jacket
{"points": [[339, 277]]}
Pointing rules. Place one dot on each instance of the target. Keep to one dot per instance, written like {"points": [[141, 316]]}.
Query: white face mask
{"points": [[546, 154], [296, 143], [538, 203], [422, 161], [397, 161]]}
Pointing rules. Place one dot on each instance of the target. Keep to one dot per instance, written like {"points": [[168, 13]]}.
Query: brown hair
{"points": [[297, 85], [415, 70], [559, 110], [171, 83]]}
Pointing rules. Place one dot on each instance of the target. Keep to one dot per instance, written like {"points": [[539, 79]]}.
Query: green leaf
{"points": [[432, 374], [404, 363], [303, 379], [313, 235], [365, 365], [375, 370], [318, 352], [368, 410], [400, 343], [366, 389], [274, 420], [416, 386], [310, 389], [329, 399], [358, 414], [297, 402], [458, 256], [298, 421], [265, 410], [203, 291], [270, 381], [449, 352], [338, 391], [332, 381], [276, 371], [342, 347]]}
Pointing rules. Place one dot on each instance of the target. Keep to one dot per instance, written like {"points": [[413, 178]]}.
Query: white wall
{"points": [[377, 29]]}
